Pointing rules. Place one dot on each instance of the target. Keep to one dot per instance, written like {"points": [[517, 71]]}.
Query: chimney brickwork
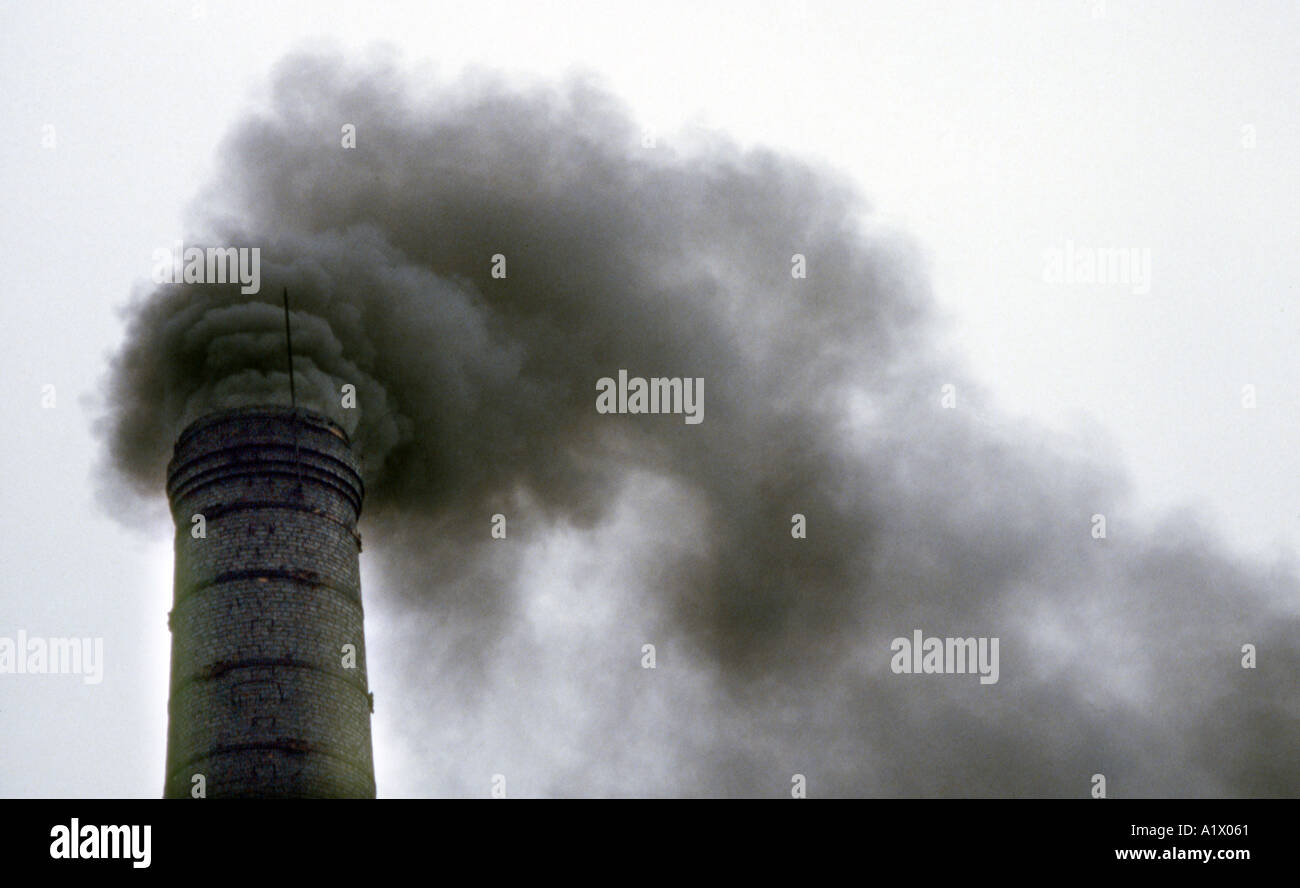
{"points": [[265, 701]]}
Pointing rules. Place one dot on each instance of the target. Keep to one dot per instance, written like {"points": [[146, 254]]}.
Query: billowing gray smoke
{"points": [[475, 395]]}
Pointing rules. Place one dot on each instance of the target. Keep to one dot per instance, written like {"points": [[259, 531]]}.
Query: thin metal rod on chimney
{"points": [[288, 343]]}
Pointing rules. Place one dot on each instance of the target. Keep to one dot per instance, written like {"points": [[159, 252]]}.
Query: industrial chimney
{"points": [[269, 695]]}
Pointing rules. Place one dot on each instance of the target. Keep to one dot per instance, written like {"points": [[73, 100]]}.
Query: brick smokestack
{"points": [[265, 700]]}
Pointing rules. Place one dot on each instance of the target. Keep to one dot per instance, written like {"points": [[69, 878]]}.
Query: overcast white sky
{"points": [[990, 131]]}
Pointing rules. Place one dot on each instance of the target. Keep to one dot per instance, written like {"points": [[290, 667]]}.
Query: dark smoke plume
{"points": [[475, 395]]}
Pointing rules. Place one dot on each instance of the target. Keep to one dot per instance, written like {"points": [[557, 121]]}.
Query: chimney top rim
{"points": [[225, 414]]}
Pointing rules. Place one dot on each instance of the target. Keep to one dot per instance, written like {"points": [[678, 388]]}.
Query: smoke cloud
{"points": [[475, 395]]}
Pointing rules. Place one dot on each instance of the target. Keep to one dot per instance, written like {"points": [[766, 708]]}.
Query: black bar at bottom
{"points": [[633, 841]]}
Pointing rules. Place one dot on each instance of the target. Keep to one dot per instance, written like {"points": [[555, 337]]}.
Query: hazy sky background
{"points": [[989, 131]]}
